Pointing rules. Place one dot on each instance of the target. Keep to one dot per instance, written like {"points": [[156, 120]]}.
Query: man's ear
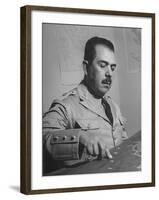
{"points": [[85, 67]]}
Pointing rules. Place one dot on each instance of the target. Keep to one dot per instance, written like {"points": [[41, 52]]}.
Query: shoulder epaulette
{"points": [[65, 95]]}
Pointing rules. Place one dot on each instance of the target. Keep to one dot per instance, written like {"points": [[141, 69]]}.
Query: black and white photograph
{"points": [[91, 99], [87, 99]]}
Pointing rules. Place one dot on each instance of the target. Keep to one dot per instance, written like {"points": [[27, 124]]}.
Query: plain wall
{"points": [[128, 44], [63, 51]]}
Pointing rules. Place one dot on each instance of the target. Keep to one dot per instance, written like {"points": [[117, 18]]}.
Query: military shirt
{"points": [[78, 111]]}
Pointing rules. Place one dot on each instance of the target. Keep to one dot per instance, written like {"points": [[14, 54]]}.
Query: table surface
{"points": [[126, 158]]}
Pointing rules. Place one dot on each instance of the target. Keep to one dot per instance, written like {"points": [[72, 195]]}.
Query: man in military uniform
{"points": [[86, 123]]}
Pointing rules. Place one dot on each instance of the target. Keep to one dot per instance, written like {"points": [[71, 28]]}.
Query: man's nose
{"points": [[108, 71]]}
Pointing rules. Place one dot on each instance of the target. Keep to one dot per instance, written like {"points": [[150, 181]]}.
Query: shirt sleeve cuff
{"points": [[64, 144]]}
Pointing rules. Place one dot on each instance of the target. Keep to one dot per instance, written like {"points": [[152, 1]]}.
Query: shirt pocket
{"points": [[89, 123]]}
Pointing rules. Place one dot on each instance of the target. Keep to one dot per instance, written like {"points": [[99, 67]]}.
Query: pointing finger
{"points": [[108, 154]]}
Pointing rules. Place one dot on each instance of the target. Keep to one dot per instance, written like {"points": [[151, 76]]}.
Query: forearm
{"points": [[62, 144]]}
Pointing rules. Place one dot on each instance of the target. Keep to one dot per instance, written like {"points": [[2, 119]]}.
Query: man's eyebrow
{"points": [[103, 61]]}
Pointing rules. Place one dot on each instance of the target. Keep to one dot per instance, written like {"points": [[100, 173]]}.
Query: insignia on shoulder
{"points": [[64, 96]]}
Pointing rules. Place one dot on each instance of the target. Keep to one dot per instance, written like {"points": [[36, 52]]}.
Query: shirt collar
{"points": [[84, 94]]}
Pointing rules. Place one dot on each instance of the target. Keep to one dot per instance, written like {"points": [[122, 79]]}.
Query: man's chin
{"points": [[106, 87], [100, 91], [104, 91]]}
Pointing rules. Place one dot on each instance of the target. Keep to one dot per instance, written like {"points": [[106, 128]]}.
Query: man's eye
{"points": [[102, 65]]}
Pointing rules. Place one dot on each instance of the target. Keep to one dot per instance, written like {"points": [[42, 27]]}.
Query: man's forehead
{"points": [[102, 51], [102, 47]]}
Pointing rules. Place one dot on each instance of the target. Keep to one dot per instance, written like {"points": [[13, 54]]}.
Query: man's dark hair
{"points": [[89, 52]]}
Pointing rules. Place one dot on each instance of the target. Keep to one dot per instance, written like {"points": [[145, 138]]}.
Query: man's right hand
{"points": [[95, 143]]}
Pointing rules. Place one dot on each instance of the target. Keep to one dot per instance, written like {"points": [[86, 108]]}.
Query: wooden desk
{"points": [[126, 157]]}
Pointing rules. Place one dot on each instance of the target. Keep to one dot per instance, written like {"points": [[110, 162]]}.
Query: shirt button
{"points": [[73, 137], [55, 138], [64, 137]]}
